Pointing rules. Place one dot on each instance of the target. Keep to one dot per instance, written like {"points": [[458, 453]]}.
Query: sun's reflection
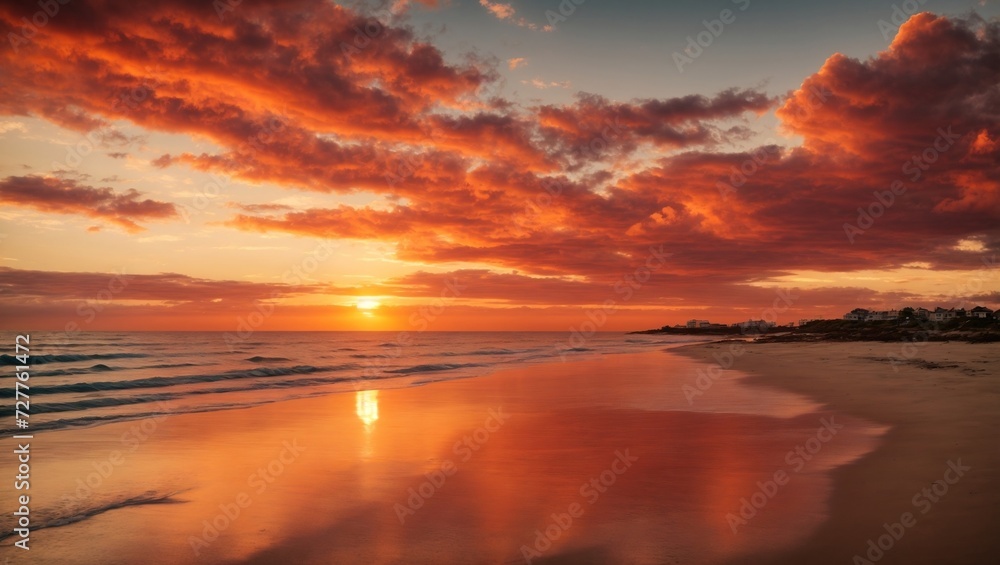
{"points": [[367, 406]]}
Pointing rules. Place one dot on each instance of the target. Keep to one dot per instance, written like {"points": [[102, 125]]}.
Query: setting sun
{"points": [[367, 304]]}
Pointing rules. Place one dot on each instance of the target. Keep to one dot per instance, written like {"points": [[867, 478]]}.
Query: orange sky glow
{"points": [[168, 167]]}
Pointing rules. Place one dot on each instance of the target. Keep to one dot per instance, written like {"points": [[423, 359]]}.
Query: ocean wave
{"points": [[157, 382], [44, 518], [161, 397], [433, 368], [172, 365], [68, 358], [81, 387], [102, 368], [87, 421], [97, 344], [99, 368], [478, 352]]}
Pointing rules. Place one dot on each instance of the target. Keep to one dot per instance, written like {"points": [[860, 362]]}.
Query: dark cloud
{"points": [[66, 196]]}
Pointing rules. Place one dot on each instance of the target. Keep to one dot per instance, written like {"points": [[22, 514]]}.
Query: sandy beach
{"points": [[596, 461], [941, 406]]}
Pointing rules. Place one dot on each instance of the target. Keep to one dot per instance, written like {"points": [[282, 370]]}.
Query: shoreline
{"points": [[504, 452], [348, 460], [970, 330], [941, 407]]}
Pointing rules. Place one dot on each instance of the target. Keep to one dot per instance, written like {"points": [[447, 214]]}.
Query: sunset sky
{"points": [[344, 166]]}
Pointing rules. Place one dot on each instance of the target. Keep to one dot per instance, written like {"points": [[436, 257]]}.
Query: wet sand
{"points": [[942, 405], [606, 456]]}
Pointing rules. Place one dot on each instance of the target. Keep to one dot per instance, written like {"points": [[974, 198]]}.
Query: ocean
{"points": [[92, 378], [139, 452]]}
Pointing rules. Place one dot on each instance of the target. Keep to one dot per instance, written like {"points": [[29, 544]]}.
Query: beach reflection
{"points": [[465, 472], [366, 402]]}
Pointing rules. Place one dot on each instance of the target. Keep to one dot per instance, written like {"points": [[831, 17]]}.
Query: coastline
{"points": [[941, 406], [334, 477]]}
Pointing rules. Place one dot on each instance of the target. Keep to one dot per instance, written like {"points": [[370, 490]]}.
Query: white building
{"points": [[857, 315], [940, 314], [882, 315], [755, 324]]}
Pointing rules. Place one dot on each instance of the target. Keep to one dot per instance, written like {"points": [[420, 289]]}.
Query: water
{"points": [[93, 378], [145, 487]]}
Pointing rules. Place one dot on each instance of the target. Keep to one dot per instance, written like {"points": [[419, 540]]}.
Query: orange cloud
{"points": [[58, 300], [562, 193], [506, 12], [64, 196]]}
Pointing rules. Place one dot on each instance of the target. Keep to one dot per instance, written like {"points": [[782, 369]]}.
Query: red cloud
{"points": [[21, 285], [860, 129], [678, 122], [63, 196], [295, 94]]}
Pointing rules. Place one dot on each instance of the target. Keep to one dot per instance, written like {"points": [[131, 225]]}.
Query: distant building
{"points": [[759, 325], [980, 312], [857, 315], [940, 314], [863, 315], [882, 315], [922, 313], [698, 324]]}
